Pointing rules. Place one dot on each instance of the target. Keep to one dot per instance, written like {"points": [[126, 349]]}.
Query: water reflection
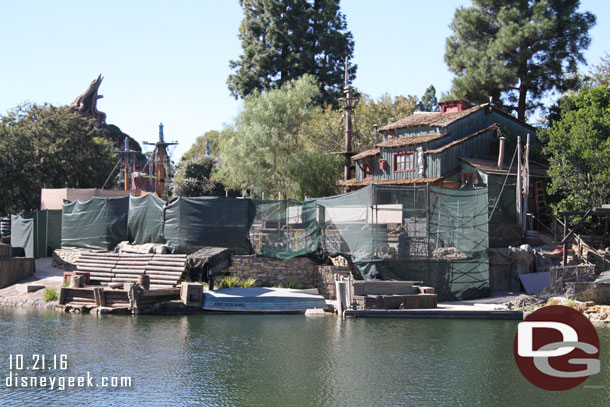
{"points": [[280, 360]]}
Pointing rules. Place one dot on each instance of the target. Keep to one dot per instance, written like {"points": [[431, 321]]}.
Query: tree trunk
{"points": [[521, 107]]}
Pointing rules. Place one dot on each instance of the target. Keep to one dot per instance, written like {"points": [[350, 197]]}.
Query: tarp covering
{"points": [[206, 262], [430, 234], [193, 223], [285, 229], [39, 231], [22, 234], [145, 220], [100, 223]]}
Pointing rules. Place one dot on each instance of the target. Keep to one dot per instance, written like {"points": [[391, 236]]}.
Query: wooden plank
{"points": [[164, 268], [167, 262], [161, 292], [87, 268]]}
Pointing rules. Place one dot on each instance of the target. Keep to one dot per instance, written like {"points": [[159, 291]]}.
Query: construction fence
{"points": [[435, 235]]}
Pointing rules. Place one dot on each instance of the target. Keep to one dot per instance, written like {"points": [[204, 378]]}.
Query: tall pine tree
{"points": [[517, 51], [285, 39]]}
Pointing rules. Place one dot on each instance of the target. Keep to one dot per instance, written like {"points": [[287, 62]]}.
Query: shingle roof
{"points": [[453, 143], [407, 141], [433, 119], [366, 153]]}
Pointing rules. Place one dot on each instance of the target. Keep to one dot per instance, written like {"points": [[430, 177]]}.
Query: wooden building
{"points": [[458, 147]]}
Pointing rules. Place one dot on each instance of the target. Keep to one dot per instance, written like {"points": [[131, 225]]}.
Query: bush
{"points": [[234, 282], [50, 294], [290, 283]]}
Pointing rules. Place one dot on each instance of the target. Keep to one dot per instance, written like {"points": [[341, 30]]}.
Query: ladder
{"points": [[539, 197]]}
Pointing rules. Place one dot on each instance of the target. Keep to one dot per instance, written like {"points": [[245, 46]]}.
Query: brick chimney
{"points": [[454, 106]]}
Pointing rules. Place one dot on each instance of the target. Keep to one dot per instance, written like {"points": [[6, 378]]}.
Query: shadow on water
{"points": [[279, 360]]}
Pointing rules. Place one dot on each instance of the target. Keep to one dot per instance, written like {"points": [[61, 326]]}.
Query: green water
{"points": [[280, 360]]}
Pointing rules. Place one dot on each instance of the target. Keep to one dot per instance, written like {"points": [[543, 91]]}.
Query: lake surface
{"points": [[278, 360]]}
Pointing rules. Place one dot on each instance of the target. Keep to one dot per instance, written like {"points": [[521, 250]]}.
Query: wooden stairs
{"points": [[165, 270]]}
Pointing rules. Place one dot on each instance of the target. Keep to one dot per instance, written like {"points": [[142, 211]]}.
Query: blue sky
{"points": [[168, 61]]}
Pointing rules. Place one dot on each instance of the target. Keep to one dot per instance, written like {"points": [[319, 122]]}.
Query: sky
{"points": [[168, 61]]}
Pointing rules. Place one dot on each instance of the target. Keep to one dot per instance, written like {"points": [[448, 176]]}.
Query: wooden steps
{"points": [[165, 270]]}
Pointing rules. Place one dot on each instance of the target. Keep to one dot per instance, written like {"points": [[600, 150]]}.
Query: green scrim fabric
{"points": [[99, 223], [194, 223], [145, 220], [22, 234], [434, 235], [41, 235], [285, 229]]}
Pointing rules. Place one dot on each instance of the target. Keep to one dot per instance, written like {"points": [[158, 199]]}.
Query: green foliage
{"points": [[326, 128], [198, 147], [50, 294], [428, 102], [44, 146], [234, 282], [578, 146], [315, 173], [291, 283], [194, 177], [258, 151], [283, 40], [600, 74], [517, 52]]}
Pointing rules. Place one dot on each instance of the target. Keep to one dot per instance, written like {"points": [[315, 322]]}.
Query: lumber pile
{"points": [[165, 270]]}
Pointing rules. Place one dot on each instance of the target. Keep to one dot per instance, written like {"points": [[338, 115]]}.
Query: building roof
{"points": [[413, 181], [407, 141], [453, 143], [366, 153], [491, 167], [433, 119]]}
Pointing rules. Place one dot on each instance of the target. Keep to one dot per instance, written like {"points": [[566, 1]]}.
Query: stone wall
{"points": [[271, 272], [327, 276], [588, 291]]}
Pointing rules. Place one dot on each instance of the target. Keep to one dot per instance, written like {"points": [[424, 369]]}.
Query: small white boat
{"points": [[262, 300]]}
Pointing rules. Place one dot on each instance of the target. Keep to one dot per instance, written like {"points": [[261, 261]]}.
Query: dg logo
{"points": [[556, 348]]}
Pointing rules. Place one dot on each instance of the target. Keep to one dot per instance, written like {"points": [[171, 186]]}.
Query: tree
{"points": [[45, 146], [600, 74], [428, 102], [326, 128], [284, 39], [517, 52], [578, 145], [199, 146], [194, 177], [259, 149]]}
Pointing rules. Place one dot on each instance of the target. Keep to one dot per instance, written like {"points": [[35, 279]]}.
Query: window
{"points": [[404, 161], [390, 135], [367, 171]]}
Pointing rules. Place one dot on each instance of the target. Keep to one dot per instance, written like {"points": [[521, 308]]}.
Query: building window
{"points": [[404, 161], [390, 134], [367, 171]]}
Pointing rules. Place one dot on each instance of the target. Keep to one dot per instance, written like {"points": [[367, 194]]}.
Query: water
{"points": [[280, 360]]}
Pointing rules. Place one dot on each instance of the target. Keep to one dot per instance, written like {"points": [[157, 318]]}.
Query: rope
{"points": [[110, 175], [503, 185]]}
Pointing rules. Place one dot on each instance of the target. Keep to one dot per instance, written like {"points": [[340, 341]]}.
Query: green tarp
{"points": [[38, 232], [435, 235], [145, 220], [194, 223], [285, 229], [22, 234], [99, 223]]}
